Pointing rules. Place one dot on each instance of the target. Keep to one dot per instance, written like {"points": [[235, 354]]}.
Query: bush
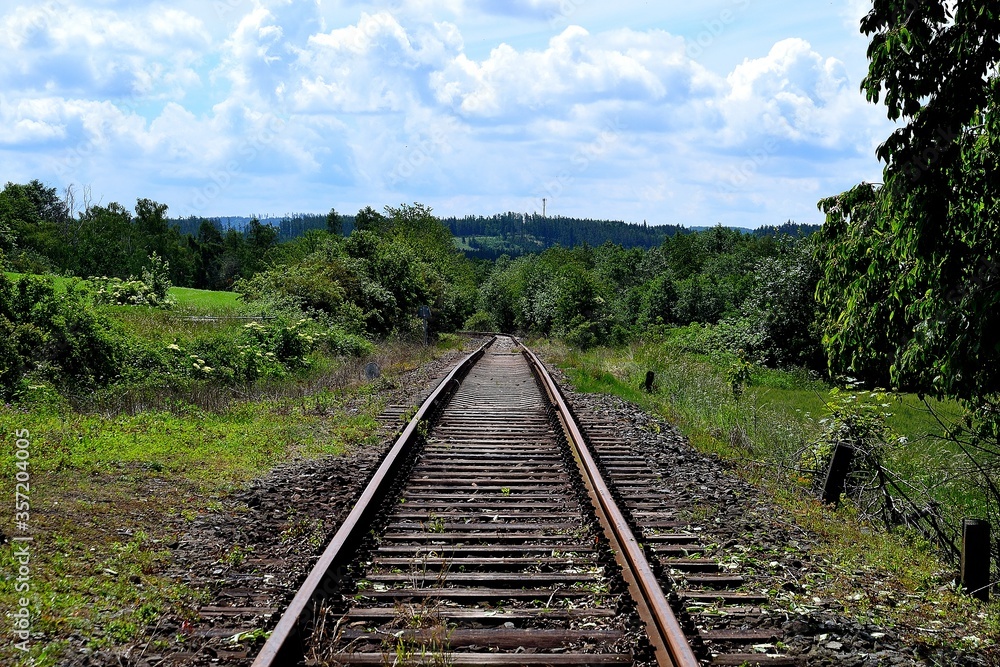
{"points": [[856, 419], [583, 334], [56, 337], [151, 290], [480, 321]]}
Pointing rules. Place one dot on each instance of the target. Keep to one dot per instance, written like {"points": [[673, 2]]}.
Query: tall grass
{"points": [[325, 374], [776, 419]]}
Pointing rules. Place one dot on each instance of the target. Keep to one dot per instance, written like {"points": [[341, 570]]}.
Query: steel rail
{"points": [[665, 633], [285, 642]]}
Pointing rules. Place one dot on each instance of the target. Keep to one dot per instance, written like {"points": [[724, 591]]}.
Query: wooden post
{"points": [[975, 578], [650, 377], [836, 475]]}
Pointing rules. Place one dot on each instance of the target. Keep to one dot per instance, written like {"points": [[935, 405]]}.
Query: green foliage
{"points": [[260, 351], [368, 219], [374, 282], [755, 292], [53, 337], [857, 419], [909, 290], [659, 301], [779, 318], [334, 223], [151, 290], [33, 222], [739, 375], [479, 321], [699, 299]]}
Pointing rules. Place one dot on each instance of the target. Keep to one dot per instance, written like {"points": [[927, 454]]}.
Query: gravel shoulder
{"points": [[833, 613]]}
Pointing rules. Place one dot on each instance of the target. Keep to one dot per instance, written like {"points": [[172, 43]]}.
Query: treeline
{"points": [[39, 234], [520, 233], [756, 290], [289, 227]]}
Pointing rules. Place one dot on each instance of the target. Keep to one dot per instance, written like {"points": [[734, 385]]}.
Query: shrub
{"points": [[583, 334], [151, 290], [856, 419], [341, 343], [480, 321], [56, 337]]}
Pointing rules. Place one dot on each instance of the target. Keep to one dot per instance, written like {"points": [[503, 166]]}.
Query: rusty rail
{"points": [[665, 633], [286, 639]]}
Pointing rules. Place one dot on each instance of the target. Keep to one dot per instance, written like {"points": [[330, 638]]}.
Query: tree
{"points": [[911, 270], [334, 224], [106, 242], [209, 248], [35, 220], [260, 239], [367, 218], [780, 312]]}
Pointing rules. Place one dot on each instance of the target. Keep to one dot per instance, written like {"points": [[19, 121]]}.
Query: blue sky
{"points": [[737, 112]]}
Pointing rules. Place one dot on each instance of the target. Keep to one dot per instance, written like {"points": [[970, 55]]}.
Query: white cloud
{"points": [[56, 49], [797, 95], [220, 108], [576, 67], [376, 65]]}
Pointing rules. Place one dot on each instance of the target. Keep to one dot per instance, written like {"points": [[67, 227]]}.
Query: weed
{"points": [[236, 555], [435, 524]]}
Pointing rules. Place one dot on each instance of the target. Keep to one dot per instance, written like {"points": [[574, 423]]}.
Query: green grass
{"points": [[110, 489], [59, 281], [221, 448], [108, 493], [205, 301], [776, 419], [188, 300], [780, 414]]}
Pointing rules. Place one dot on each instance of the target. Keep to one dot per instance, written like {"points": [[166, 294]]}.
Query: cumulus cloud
{"points": [[259, 56], [796, 95], [75, 51], [375, 65], [391, 104], [577, 67]]}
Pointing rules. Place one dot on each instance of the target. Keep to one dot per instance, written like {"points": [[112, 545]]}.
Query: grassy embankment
{"points": [[761, 436], [113, 484]]}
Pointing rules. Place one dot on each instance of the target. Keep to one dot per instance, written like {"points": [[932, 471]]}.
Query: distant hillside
{"points": [[519, 233], [789, 228], [514, 234], [289, 227]]}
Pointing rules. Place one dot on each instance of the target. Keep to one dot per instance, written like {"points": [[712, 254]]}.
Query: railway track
{"points": [[490, 536]]}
